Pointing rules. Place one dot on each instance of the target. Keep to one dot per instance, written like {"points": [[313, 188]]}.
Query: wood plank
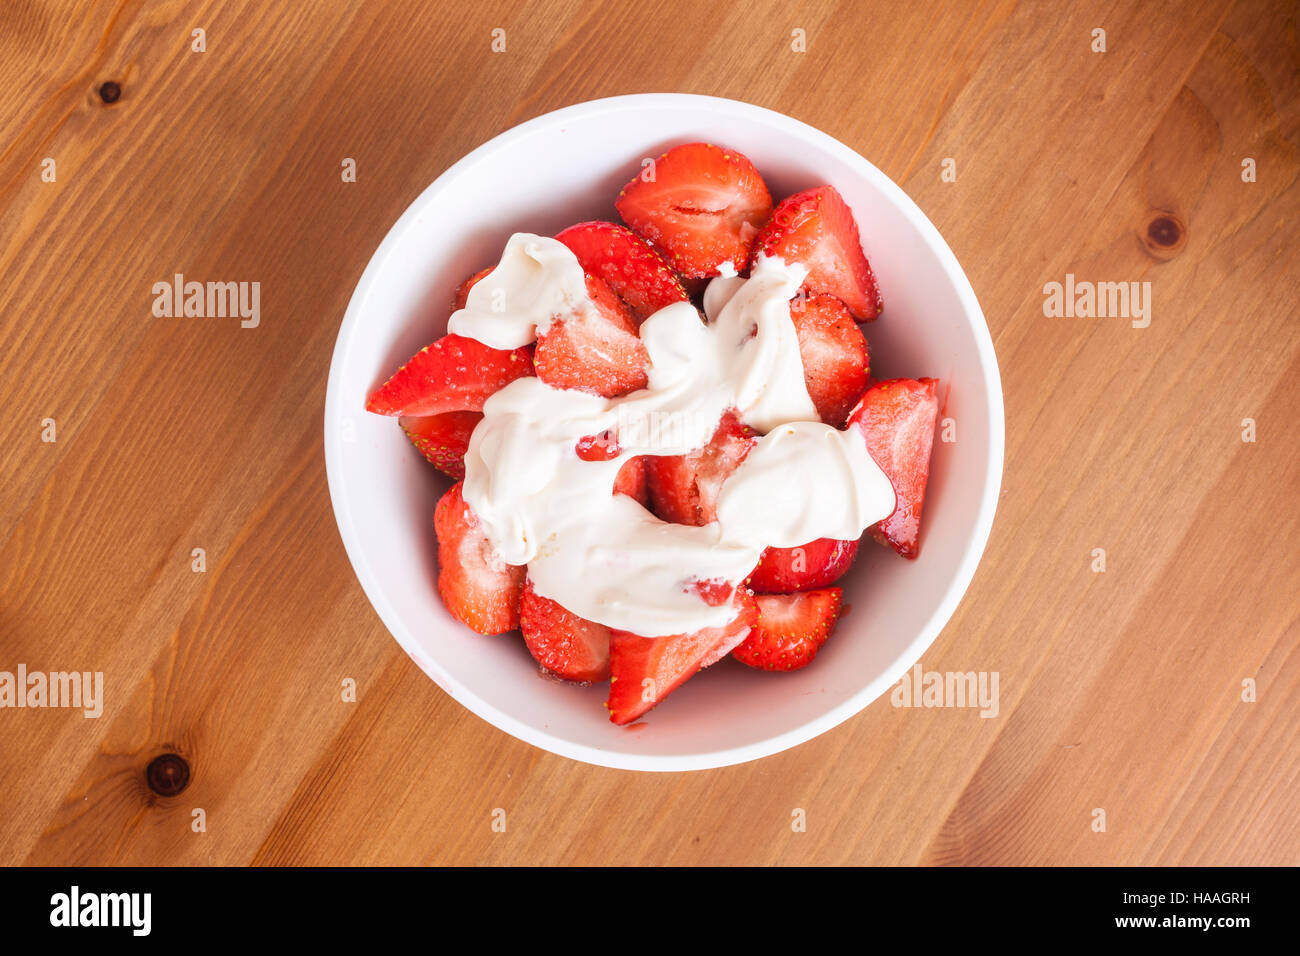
{"points": [[1119, 690]]}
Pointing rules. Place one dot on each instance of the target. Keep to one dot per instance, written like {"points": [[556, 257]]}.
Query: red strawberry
{"points": [[791, 629], [564, 644], [602, 447], [478, 588], [684, 488], [453, 374], [715, 591], [816, 229], [813, 565], [596, 353], [703, 207], [645, 670], [631, 480], [740, 628], [462, 291], [634, 271], [897, 420], [834, 354], [443, 439]]}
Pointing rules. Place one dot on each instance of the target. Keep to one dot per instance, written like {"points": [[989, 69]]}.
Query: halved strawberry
{"points": [[453, 374], [741, 626], [684, 488], [631, 481], [816, 229], [791, 629], [478, 588], [599, 353], [443, 439], [834, 354], [645, 670], [805, 568], [564, 644], [701, 204], [634, 271], [462, 291], [897, 420]]}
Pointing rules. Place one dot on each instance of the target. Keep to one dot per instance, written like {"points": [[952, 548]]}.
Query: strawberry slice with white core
{"points": [[632, 269], [478, 588], [896, 418], [453, 374], [645, 670], [633, 482], [790, 630], [563, 643], [834, 355], [815, 228], [684, 488], [595, 350], [701, 204]]}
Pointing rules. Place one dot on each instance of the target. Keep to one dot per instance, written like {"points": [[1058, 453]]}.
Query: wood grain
{"points": [[1120, 690]]}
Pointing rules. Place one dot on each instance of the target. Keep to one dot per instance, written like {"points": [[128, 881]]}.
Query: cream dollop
{"points": [[601, 555], [536, 280]]}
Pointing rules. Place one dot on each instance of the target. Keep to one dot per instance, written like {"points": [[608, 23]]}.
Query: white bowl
{"points": [[566, 167]]}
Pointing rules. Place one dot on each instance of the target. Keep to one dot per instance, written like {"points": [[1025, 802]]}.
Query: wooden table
{"points": [[1120, 690]]}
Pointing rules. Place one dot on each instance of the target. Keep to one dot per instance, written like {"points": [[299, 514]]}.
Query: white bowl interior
{"points": [[566, 167]]}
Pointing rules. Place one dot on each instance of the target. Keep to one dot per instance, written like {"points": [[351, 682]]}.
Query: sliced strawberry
{"points": [[701, 204], [595, 353], [897, 420], [632, 481], [564, 644], [645, 670], [478, 588], [443, 439], [672, 489], [684, 488], [602, 447], [791, 629], [715, 591], [815, 228], [462, 291], [805, 568], [740, 628], [453, 374], [634, 271], [834, 354]]}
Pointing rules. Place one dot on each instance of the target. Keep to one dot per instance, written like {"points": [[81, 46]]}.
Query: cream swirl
{"points": [[601, 555]]}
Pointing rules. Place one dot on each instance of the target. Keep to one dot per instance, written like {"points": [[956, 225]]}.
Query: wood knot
{"points": [[167, 774], [110, 91], [1164, 235], [1164, 231]]}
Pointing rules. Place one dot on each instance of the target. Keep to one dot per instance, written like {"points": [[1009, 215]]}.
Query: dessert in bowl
{"points": [[559, 407]]}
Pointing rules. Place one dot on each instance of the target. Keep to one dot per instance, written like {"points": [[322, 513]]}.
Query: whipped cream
{"points": [[536, 280], [603, 556]]}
